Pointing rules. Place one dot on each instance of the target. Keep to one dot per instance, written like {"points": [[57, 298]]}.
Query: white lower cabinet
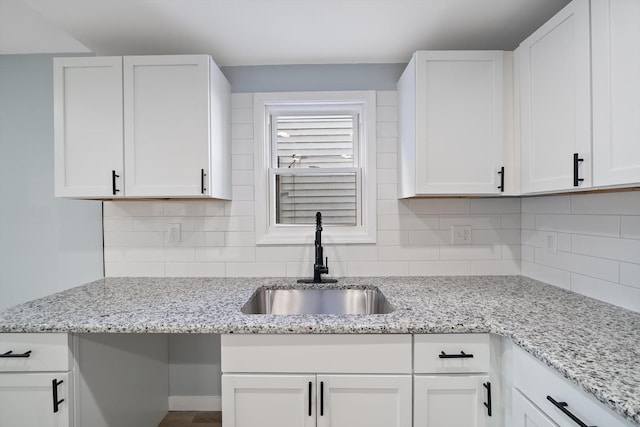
{"points": [[316, 400], [448, 400], [36, 399], [526, 414]]}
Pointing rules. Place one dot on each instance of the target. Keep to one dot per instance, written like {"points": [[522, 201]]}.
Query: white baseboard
{"points": [[195, 403]]}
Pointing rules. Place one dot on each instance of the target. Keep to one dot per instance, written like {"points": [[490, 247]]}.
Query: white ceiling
{"points": [[258, 32]]}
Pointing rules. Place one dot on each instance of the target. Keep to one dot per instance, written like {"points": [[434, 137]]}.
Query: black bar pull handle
{"points": [[487, 404], [310, 392], [10, 354], [202, 187], [576, 163], [501, 173], [563, 407], [322, 398], [56, 403], [113, 182], [462, 355]]}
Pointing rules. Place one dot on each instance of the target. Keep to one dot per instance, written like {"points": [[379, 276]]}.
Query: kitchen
{"points": [[596, 241]]}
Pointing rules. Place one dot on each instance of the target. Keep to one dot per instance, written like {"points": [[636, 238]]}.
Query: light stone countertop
{"points": [[593, 344]]}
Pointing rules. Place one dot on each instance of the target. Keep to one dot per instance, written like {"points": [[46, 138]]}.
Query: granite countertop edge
{"points": [[546, 321]]}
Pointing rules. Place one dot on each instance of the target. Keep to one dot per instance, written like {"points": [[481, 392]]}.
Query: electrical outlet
{"points": [[550, 243], [461, 234], [174, 232]]}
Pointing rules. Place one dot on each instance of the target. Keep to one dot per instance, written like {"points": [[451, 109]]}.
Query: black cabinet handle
{"points": [[462, 355], [487, 404], [113, 182], [310, 392], [501, 173], [202, 175], [56, 403], [322, 398], [10, 354], [563, 407], [576, 163]]}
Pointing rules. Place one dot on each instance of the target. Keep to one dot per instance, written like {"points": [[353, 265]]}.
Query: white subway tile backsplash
{"points": [[408, 222], [225, 254], [229, 223], [495, 237], [133, 238], [242, 177], [610, 292], [511, 252], [393, 238], [527, 253], [117, 223], [607, 247], [295, 253], [181, 208], [387, 191], [239, 207], [387, 176], [386, 130], [387, 113], [589, 266], [386, 97], [242, 161], [528, 221], [392, 207], [630, 227], [547, 204], [132, 208], [495, 205], [387, 145], [242, 131], [134, 269], [215, 207], [440, 206], [630, 274], [563, 242], [439, 268], [187, 239], [239, 238], [256, 269], [554, 276], [380, 268], [242, 116], [195, 269], [471, 252], [495, 268], [511, 221], [242, 192], [430, 238], [387, 161], [170, 254], [623, 203], [475, 221], [241, 100], [242, 146], [599, 225], [162, 223], [408, 253]]}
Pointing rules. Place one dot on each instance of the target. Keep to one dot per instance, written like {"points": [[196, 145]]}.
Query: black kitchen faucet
{"points": [[320, 266]]}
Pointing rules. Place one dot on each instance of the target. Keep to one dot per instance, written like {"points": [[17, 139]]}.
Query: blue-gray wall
{"points": [[46, 244]]}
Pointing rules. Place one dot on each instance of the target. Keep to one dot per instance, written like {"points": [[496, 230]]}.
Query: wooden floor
{"points": [[192, 419]]}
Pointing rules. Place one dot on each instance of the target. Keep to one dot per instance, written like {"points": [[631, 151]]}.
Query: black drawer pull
{"points": [[563, 407], [10, 353], [501, 173], [462, 355], [202, 187], [487, 404], [310, 392], [576, 163], [56, 403], [113, 182], [322, 398]]}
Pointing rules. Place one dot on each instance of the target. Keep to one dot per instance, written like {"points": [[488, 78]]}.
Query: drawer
{"points": [[537, 381], [318, 353], [35, 352], [451, 353]]}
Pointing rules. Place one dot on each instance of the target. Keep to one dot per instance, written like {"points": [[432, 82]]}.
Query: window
{"points": [[315, 152]]}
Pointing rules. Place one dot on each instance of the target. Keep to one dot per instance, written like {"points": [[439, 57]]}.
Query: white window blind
{"points": [[315, 167]]}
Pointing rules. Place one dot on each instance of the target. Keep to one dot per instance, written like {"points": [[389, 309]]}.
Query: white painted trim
{"points": [[268, 234], [195, 403]]}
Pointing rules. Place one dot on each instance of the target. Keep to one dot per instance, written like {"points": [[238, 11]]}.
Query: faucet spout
{"points": [[320, 266]]}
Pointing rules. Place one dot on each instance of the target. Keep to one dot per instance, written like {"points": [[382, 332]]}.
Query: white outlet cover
{"points": [[460, 234], [550, 241], [174, 232]]}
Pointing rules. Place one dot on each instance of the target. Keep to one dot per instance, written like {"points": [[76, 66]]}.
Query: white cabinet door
{"points": [[451, 123], [26, 400], [268, 400], [166, 105], [450, 401], [88, 127], [526, 414], [364, 400], [555, 102], [616, 91]]}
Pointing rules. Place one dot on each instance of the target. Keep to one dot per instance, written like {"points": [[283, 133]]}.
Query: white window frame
{"points": [[269, 233]]}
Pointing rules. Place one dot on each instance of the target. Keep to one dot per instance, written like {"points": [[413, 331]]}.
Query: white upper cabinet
{"points": [[615, 26], [555, 103], [142, 126], [451, 130], [88, 126]]}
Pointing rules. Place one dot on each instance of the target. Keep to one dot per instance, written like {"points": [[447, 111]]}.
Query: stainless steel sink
{"points": [[317, 301]]}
